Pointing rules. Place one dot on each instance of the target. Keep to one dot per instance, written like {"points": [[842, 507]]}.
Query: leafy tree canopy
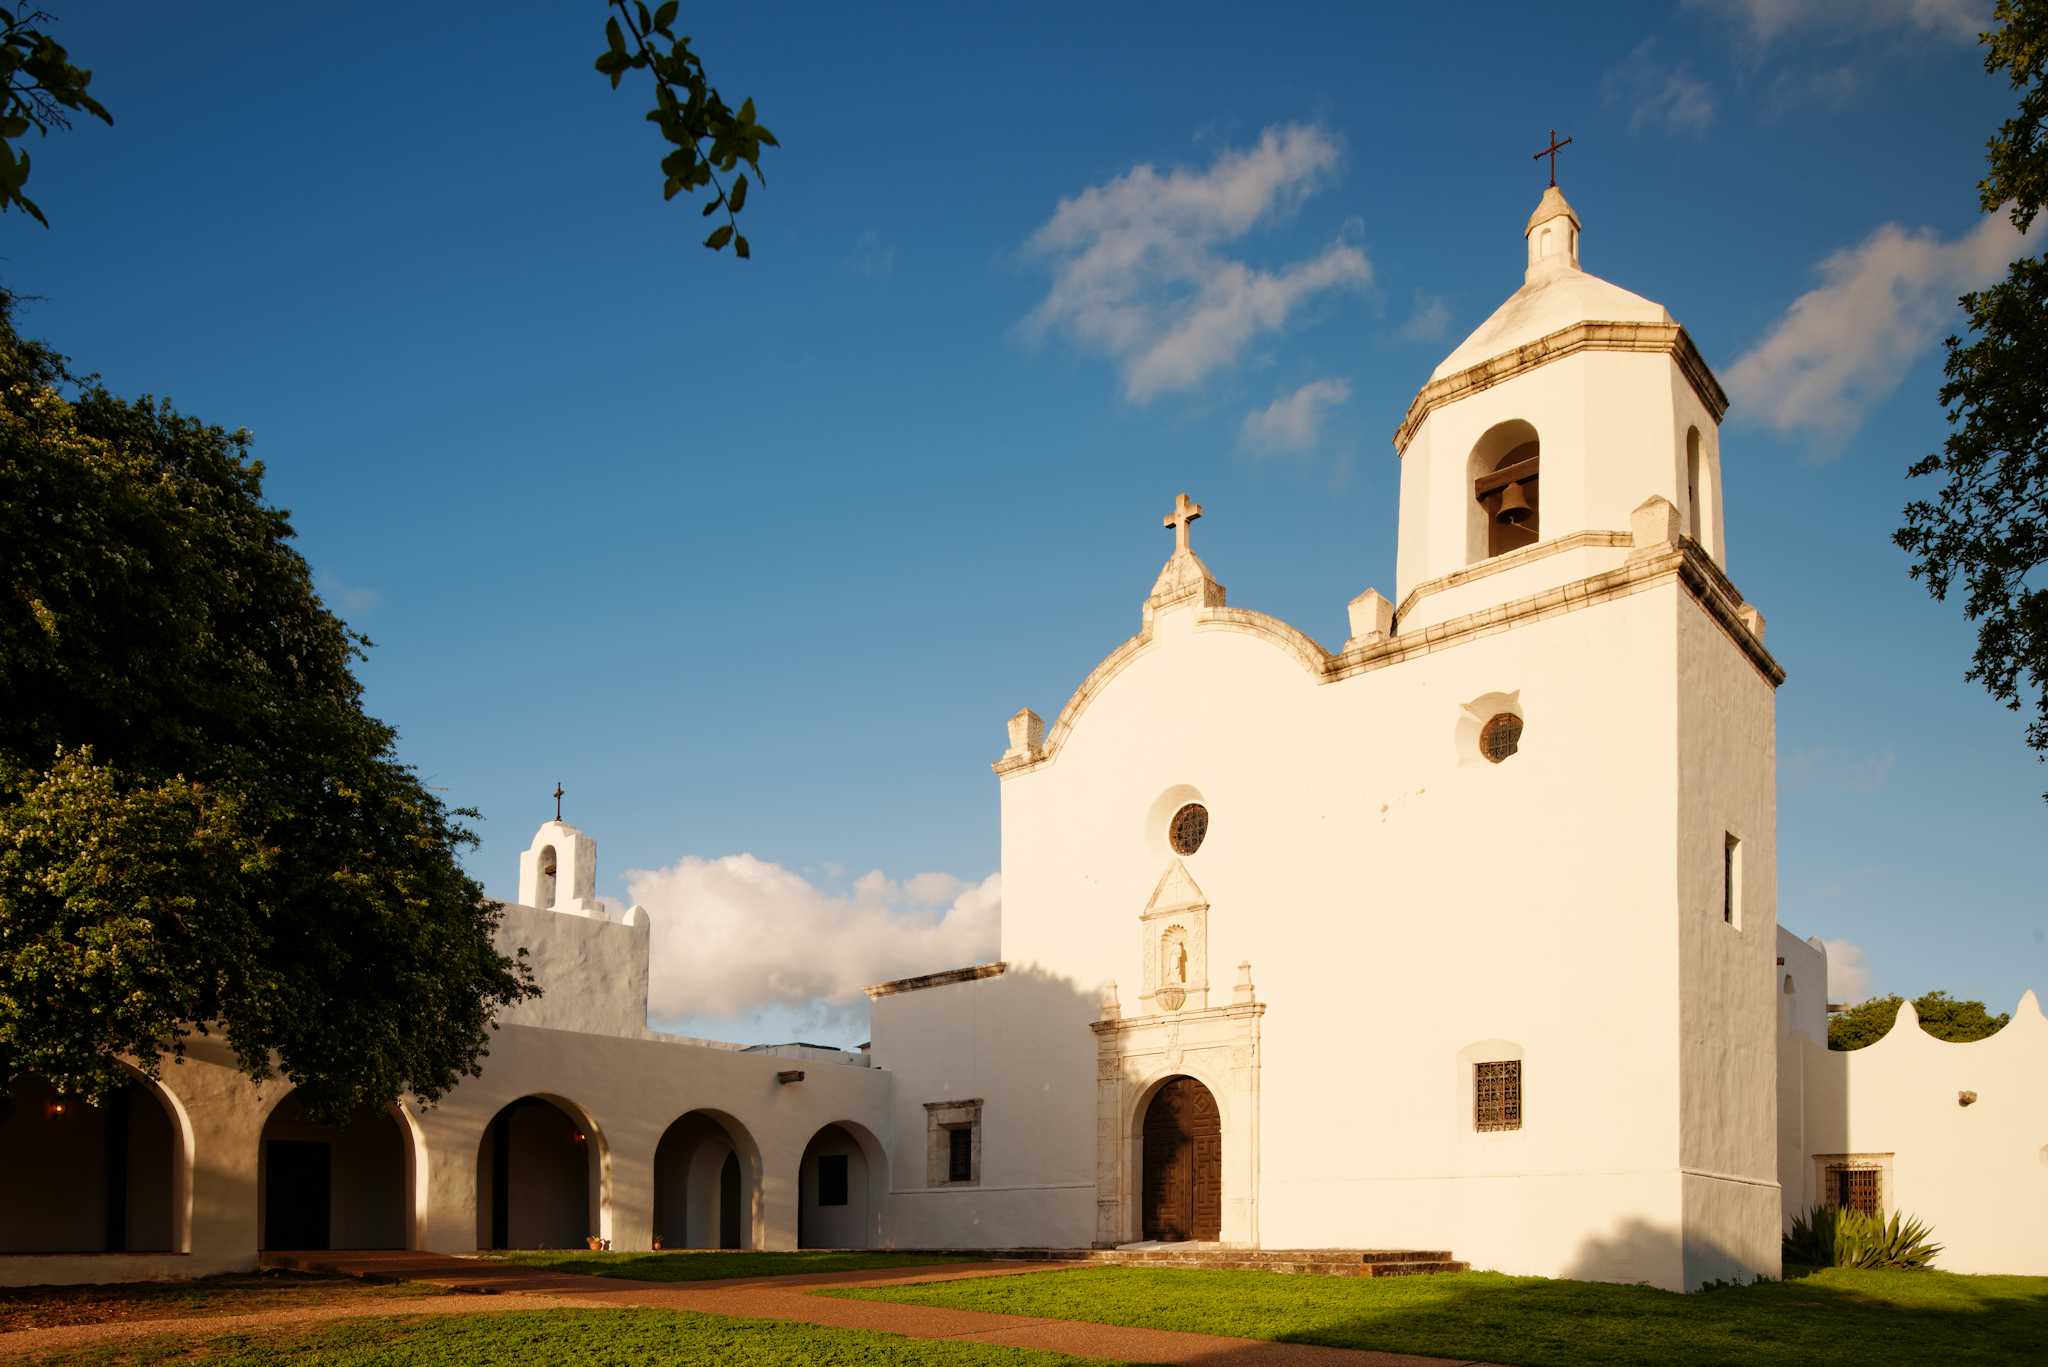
{"points": [[1941, 1016], [1987, 528], [199, 826]]}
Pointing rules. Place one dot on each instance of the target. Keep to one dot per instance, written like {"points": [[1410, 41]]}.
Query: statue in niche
{"points": [[1182, 967]]}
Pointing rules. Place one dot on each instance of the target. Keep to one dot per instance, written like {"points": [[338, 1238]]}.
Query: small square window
{"points": [[831, 1179], [953, 1143], [1497, 1095]]}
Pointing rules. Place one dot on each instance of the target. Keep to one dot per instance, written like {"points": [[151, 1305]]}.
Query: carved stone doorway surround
{"points": [[1218, 1047]]}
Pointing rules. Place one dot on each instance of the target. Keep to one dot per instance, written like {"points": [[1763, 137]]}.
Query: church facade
{"points": [[1462, 935]]}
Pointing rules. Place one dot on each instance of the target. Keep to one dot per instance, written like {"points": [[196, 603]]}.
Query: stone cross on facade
{"points": [[558, 800], [1551, 152], [1185, 510]]}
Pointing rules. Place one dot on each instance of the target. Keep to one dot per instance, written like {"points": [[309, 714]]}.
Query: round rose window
{"points": [[1501, 738], [1190, 824]]}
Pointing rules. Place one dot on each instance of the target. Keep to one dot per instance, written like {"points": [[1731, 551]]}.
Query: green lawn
{"points": [[705, 1265], [1854, 1319], [42, 1307], [605, 1338]]}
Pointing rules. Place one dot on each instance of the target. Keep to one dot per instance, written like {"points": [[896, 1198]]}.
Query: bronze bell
{"points": [[1514, 506]]}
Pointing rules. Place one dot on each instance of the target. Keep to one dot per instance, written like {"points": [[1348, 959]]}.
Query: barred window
{"points": [[1501, 738], [1190, 825], [960, 1154], [1497, 1095], [1858, 1188]]}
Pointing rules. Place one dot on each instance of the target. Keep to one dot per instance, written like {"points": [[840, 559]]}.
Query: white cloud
{"points": [[1848, 972], [1294, 422], [1844, 346], [870, 256], [1830, 87], [737, 935], [1140, 274], [1430, 321], [1667, 99], [1820, 767], [1959, 20], [344, 599]]}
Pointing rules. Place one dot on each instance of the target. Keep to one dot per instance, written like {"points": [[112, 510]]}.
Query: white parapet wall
{"points": [[1958, 1134]]}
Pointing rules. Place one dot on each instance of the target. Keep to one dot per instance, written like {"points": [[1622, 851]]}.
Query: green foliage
{"points": [[199, 826], [41, 88], [689, 113], [1987, 528], [1942, 1016], [1841, 1317], [1829, 1237], [706, 1265]]}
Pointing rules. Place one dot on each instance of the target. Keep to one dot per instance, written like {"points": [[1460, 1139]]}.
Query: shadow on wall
{"points": [[1639, 1251], [1018, 1170]]}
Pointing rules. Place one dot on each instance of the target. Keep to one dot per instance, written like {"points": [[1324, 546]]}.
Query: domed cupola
{"points": [[1534, 440]]}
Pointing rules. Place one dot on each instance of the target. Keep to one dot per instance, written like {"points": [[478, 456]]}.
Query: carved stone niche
{"points": [[1174, 931]]}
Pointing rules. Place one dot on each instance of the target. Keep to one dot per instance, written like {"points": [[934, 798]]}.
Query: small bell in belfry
{"points": [[1514, 506]]}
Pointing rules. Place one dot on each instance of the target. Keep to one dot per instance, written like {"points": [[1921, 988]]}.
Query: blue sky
{"points": [[756, 558]]}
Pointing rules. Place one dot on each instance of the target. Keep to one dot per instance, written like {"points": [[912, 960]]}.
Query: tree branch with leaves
{"points": [[708, 138], [1987, 528], [39, 89]]}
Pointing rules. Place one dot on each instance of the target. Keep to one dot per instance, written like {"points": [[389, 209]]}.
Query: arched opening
{"points": [[540, 1177], [839, 1189], [545, 894], [707, 1184], [90, 1179], [1182, 1184], [334, 1186], [1506, 512]]}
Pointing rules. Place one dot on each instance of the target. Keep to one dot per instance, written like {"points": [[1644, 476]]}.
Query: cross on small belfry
{"points": [[558, 799], [1185, 510], [1551, 152]]}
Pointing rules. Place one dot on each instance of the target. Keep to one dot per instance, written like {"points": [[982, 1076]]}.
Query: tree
{"points": [[708, 138], [39, 89], [1988, 526], [200, 828], [1941, 1016], [689, 113]]}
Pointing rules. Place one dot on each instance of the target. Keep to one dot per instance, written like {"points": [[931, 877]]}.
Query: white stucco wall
{"points": [[1977, 1173], [1400, 900]]}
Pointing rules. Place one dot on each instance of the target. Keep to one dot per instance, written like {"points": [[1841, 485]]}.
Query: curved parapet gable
{"points": [[2026, 1020], [1297, 644]]}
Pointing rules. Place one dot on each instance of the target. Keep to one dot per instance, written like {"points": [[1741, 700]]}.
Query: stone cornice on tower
{"points": [[1668, 338]]}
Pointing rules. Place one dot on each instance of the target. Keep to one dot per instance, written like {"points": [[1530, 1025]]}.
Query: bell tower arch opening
{"points": [[1505, 513]]}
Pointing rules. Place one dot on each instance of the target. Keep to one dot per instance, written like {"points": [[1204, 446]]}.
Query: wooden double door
{"points": [[1183, 1150]]}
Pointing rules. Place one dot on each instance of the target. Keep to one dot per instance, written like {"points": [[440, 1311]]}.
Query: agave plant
{"points": [[1826, 1236]]}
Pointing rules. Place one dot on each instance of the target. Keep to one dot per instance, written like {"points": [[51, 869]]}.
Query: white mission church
{"points": [[1460, 936]]}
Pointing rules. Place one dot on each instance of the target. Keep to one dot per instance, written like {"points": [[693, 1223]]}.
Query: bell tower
{"points": [[558, 872], [1532, 444]]}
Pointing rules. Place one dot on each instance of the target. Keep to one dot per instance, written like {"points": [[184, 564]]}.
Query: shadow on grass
{"points": [[1850, 1319]]}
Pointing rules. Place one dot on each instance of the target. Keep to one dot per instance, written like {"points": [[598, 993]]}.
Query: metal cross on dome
{"points": [[1185, 510], [1551, 152], [558, 799]]}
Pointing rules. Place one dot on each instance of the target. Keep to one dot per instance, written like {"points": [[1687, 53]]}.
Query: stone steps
{"points": [[1308, 1262]]}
